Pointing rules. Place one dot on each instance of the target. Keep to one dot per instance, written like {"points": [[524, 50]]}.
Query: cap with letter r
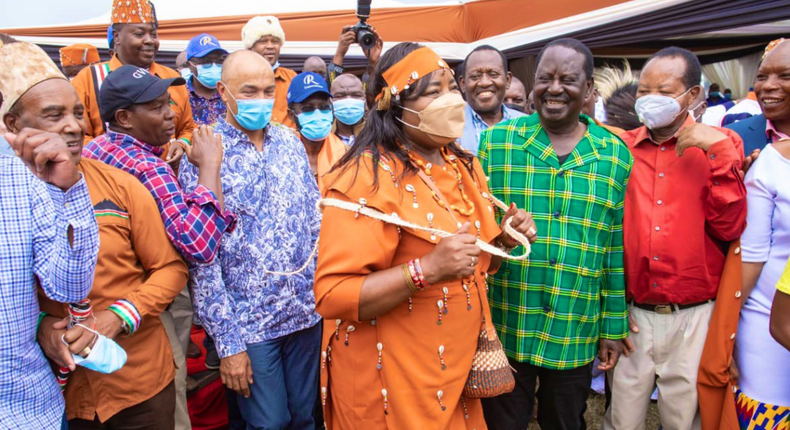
{"points": [[305, 85]]}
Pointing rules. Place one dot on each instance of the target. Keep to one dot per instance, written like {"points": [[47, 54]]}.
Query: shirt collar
{"points": [[643, 135], [125, 139], [478, 119], [773, 134]]}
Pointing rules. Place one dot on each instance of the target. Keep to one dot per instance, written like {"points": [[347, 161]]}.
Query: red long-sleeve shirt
{"points": [[680, 212]]}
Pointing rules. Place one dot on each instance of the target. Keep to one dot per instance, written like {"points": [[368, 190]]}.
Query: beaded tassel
{"points": [[410, 188], [440, 304], [329, 356], [439, 395], [468, 297], [441, 357], [410, 304], [463, 405], [386, 400], [337, 328], [445, 291], [323, 396], [349, 329], [323, 360], [380, 347]]}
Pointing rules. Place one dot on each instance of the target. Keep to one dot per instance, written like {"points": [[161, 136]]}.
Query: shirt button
{"points": [[713, 157], [66, 204], [663, 148], [546, 309], [561, 173], [553, 261], [556, 214], [660, 202], [655, 258], [658, 228], [737, 294], [660, 175]]}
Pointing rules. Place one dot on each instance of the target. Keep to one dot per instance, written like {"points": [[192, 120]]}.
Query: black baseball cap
{"points": [[131, 85]]}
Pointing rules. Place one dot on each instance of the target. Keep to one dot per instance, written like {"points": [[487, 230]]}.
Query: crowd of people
{"points": [[418, 247]]}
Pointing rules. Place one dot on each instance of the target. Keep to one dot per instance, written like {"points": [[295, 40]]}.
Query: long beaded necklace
{"points": [[452, 160]]}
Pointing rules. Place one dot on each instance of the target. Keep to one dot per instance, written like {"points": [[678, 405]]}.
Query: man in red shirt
{"points": [[684, 202]]}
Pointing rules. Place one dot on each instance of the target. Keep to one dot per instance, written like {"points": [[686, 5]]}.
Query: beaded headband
{"points": [[417, 64], [771, 46]]}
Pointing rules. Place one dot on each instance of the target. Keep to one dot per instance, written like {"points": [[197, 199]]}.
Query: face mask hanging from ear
{"points": [[106, 356], [443, 118]]}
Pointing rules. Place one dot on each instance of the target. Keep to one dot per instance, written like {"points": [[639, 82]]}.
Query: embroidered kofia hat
{"points": [[22, 66], [133, 12]]}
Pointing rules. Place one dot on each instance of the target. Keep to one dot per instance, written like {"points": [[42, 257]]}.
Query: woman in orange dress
{"points": [[403, 309]]}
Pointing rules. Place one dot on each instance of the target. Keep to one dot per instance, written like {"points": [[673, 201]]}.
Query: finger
{"points": [[67, 360], [18, 139], [472, 251], [78, 345], [632, 325], [629, 346], [511, 211], [249, 372], [234, 384], [244, 386], [464, 229], [466, 239], [61, 324]]}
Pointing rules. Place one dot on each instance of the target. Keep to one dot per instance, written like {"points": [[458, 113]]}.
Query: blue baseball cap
{"points": [[131, 85], [305, 85], [202, 45]]}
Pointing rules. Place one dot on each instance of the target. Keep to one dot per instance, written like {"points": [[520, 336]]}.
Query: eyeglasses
{"points": [[207, 62]]}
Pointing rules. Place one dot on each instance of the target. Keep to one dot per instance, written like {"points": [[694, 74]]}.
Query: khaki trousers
{"points": [[668, 351], [179, 356]]}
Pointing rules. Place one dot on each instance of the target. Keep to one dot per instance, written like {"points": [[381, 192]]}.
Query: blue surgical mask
{"points": [[316, 125], [253, 114], [209, 74], [186, 73], [715, 94], [106, 356], [349, 111], [728, 96]]}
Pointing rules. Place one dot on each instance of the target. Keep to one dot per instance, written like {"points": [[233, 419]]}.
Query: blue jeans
{"points": [[285, 382]]}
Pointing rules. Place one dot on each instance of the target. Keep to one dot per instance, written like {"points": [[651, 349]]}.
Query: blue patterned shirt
{"points": [[34, 219], [273, 194], [474, 125], [205, 111]]}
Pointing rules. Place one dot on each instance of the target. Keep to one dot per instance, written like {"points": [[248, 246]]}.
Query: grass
{"points": [[595, 412]]}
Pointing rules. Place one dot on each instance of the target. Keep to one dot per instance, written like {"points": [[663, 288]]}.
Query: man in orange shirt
{"points": [[74, 58], [136, 43], [264, 35], [310, 108], [137, 275]]}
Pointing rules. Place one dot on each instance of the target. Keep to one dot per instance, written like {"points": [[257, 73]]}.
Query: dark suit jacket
{"points": [[752, 131]]}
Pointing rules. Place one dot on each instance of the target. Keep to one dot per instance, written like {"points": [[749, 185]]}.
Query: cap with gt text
{"points": [[131, 85], [202, 45], [305, 85]]}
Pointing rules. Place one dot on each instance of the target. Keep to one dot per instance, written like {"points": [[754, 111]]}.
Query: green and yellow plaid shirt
{"points": [[551, 309]]}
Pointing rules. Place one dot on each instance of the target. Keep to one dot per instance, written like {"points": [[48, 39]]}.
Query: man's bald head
{"points": [[245, 76], [347, 86], [181, 60], [316, 65]]}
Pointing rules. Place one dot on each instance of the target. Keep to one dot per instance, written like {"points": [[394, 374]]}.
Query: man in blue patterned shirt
{"points": [[48, 234], [204, 59], [484, 81], [264, 324]]}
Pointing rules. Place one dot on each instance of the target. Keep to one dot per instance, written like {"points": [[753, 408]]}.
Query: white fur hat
{"points": [[260, 26]]}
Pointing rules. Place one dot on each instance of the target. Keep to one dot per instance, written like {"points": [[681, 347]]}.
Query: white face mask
{"points": [[657, 111]]}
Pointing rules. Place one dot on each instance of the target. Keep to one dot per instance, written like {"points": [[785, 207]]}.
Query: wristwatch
{"points": [[337, 70]]}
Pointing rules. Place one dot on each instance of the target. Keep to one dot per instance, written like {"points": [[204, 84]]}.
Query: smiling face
{"points": [[52, 106], [136, 44], [485, 81], [561, 86], [772, 85], [152, 123], [268, 47]]}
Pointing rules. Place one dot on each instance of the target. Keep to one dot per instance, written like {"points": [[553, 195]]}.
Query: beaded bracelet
{"points": [[423, 283], [407, 278], [128, 313]]}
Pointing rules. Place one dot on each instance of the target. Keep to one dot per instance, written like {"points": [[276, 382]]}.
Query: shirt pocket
{"points": [[113, 221]]}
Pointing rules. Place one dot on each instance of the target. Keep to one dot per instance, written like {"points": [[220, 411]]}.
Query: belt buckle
{"points": [[664, 309]]}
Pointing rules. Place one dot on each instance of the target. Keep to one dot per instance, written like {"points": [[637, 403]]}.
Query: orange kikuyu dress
{"points": [[410, 337]]}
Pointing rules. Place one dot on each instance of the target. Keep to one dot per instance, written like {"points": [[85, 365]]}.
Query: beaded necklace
{"points": [[452, 161]]}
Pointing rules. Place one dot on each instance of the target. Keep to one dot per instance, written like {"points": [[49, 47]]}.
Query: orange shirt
{"points": [[352, 248], [282, 80], [330, 153], [83, 83], [137, 263]]}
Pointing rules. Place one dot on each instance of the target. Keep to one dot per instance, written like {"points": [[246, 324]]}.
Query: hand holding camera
{"points": [[363, 34]]}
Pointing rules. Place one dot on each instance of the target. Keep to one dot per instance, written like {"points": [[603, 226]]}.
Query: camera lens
{"points": [[366, 39]]}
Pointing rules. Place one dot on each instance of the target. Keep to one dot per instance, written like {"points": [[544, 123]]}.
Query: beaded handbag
{"points": [[490, 375]]}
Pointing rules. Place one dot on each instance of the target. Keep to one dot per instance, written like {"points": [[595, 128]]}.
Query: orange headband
{"points": [[771, 46], [407, 71]]}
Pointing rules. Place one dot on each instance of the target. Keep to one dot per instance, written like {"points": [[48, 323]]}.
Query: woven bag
{"points": [[490, 375]]}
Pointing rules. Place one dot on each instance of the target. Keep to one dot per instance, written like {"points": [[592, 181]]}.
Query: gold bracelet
{"points": [[407, 276]]}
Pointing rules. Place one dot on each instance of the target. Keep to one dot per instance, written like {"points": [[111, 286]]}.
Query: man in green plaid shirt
{"points": [[553, 309]]}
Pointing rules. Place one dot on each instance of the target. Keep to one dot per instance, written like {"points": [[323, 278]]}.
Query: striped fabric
{"points": [[552, 309], [755, 415]]}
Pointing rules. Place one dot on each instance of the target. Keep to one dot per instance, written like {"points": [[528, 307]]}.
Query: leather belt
{"points": [[669, 308]]}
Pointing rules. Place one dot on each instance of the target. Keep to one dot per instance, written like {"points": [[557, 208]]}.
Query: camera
{"points": [[365, 38]]}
